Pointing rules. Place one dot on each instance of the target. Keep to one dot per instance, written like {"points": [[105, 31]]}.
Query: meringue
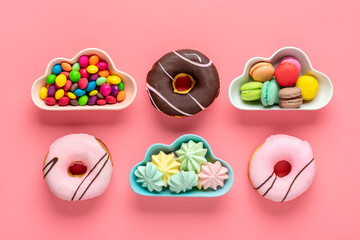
{"points": [[150, 177], [183, 181], [192, 156], [166, 164], [212, 175]]}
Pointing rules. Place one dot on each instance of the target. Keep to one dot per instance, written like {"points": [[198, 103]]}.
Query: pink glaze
{"points": [[277, 148], [71, 149], [292, 60]]}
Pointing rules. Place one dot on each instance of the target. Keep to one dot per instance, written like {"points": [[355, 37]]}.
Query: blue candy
{"points": [[91, 86], [79, 92], [57, 69]]}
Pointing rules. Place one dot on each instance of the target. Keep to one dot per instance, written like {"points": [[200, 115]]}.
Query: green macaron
{"points": [[251, 91], [270, 93]]}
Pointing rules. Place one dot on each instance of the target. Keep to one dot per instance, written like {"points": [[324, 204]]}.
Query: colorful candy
{"points": [[60, 80], [59, 94], [83, 100], [86, 82], [57, 69], [50, 101], [121, 96], [43, 93], [83, 82], [105, 89], [50, 79], [74, 76], [66, 66]]}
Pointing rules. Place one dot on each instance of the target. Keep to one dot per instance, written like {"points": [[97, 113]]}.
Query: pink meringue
{"points": [[212, 175]]}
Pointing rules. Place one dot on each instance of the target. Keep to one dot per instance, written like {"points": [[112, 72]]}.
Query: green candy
{"points": [[74, 76], [83, 100], [76, 67], [50, 79], [100, 81], [251, 91], [121, 86]]}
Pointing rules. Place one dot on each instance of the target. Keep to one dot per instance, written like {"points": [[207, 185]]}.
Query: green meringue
{"points": [[150, 177], [192, 156], [183, 181]]}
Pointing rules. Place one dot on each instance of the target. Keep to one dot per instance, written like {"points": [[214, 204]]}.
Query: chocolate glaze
{"points": [[205, 91], [52, 162], [77, 189], [264, 181], [297, 175]]}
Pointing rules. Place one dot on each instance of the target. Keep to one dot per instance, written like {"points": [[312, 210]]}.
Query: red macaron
{"points": [[286, 74]]}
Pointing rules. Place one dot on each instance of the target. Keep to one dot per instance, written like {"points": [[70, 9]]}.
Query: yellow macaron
{"points": [[309, 86]]}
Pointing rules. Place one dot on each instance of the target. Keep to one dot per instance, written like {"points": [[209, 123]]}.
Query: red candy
{"points": [[99, 102], [83, 82], [67, 85], [64, 101], [110, 99], [65, 73], [84, 73], [102, 65], [50, 101], [286, 74]]}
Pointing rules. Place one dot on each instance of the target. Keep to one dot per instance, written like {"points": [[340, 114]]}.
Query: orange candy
{"points": [[66, 66], [94, 59], [121, 96], [104, 73]]}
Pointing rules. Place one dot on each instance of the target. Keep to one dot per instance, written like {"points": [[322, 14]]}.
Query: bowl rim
{"points": [[268, 59], [186, 137], [118, 106]]}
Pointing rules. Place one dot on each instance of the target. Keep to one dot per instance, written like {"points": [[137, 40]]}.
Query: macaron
{"points": [[309, 86], [270, 93], [286, 74], [292, 60], [251, 91], [290, 97], [262, 71]]}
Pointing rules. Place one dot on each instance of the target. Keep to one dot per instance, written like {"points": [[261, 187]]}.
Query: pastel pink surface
{"points": [[135, 34]]}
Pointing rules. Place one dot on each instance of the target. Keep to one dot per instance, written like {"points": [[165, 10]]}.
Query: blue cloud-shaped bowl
{"points": [[194, 192]]}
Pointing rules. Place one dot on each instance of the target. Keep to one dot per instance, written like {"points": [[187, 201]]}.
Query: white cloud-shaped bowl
{"points": [[322, 98], [129, 84]]}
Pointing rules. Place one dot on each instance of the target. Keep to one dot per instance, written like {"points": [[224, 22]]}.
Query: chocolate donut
{"points": [[183, 83]]}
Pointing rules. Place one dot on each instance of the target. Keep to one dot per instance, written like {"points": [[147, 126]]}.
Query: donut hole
{"points": [[77, 169], [183, 83], [282, 168]]}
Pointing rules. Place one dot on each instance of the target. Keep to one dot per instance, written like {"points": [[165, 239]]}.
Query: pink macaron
{"points": [[292, 60]]}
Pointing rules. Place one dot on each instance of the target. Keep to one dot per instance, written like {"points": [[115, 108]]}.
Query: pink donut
{"points": [[282, 168], [77, 167]]}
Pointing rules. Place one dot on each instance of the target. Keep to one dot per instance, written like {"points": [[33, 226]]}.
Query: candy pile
{"points": [[288, 88], [86, 82], [182, 170]]}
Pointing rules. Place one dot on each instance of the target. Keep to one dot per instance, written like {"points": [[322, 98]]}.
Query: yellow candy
{"points": [[309, 86], [59, 94], [114, 79], [60, 80], [43, 93], [71, 95], [93, 92], [92, 69]]}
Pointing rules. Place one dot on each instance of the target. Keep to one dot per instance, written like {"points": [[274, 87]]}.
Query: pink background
{"points": [[135, 34]]}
